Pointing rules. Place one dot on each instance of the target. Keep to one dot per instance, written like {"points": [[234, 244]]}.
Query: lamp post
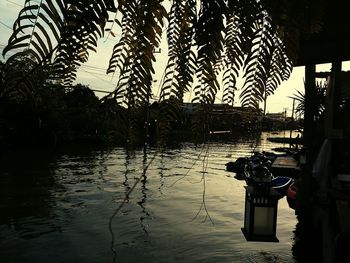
{"points": [[260, 215]]}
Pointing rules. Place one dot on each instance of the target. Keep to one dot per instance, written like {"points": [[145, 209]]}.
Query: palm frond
{"points": [[265, 65], [234, 56], [60, 32], [280, 68], [256, 65], [142, 24], [210, 42], [83, 25], [319, 102], [35, 27], [181, 64]]}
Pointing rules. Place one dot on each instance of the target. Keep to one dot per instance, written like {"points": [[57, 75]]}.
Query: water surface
{"points": [[183, 206]]}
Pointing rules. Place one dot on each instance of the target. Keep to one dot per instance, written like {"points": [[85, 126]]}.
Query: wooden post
{"points": [[305, 190], [309, 114], [336, 74]]}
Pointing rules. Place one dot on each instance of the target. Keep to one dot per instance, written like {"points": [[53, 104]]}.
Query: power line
{"points": [[94, 68], [14, 3], [7, 26], [92, 74], [96, 73], [100, 91]]}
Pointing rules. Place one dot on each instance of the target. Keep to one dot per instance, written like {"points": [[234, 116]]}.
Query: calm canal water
{"points": [[65, 206]]}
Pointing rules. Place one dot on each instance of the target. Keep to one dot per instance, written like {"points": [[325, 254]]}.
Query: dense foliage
{"points": [[57, 116]]}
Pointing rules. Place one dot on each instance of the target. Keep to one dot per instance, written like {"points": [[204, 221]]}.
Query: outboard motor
{"points": [[261, 178]]}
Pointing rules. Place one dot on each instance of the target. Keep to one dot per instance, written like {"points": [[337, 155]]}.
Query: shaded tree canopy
{"points": [[206, 39]]}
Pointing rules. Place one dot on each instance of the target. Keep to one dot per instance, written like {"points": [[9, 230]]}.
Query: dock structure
{"points": [[285, 166], [341, 196], [324, 193], [324, 181], [326, 175]]}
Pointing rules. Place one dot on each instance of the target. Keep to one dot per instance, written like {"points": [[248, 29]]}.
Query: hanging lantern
{"points": [[260, 216]]}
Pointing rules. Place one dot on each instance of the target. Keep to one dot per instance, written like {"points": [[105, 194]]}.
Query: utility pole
{"points": [[285, 113], [290, 132]]}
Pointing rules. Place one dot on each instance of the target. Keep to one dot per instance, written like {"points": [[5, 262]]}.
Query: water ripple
{"points": [[185, 208]]}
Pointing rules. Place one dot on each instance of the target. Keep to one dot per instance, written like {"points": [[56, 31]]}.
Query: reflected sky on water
{"points": [[180, 205]]}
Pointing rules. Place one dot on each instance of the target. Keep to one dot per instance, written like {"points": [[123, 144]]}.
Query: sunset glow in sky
{"points": [[93, 74]]}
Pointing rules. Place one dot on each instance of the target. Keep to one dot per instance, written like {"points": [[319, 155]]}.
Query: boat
{"points": [[257, 159], [281, 184], [292, 195], [256, 171], [295, 141]]}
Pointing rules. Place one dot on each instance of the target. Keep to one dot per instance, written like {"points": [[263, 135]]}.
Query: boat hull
{"points": [[281, 184]]}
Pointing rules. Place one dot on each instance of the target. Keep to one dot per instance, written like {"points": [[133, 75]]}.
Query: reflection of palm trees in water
{"points": [[143, 179], [203, 179], [127, 171], [161, 172], [144, 190], [204, 157]]}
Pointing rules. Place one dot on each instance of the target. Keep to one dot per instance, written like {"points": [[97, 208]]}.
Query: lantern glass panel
{"points": [[264, 221]]}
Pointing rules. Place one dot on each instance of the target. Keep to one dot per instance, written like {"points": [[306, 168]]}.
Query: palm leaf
{"points": [[233, 58], [133, 55], [181, 64], [209, 39]]}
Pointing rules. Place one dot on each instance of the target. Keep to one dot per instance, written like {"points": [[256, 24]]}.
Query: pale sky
{"points": [[92, 73]]}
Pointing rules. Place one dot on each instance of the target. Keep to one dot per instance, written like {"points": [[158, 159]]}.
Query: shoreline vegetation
{"points": [[58, 117]]}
